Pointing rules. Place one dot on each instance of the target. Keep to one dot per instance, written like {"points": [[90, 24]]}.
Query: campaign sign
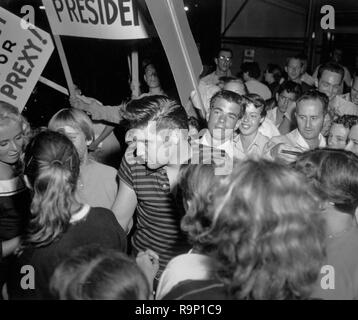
{"points": [[103, 19], [24, 52]]}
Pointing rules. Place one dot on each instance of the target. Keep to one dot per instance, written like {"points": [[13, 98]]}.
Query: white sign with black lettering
{"points": [[103, 19], [24, 53]]}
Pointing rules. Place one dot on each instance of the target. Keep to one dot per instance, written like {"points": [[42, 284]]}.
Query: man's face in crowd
{"points": [[354, 91], [338, 135], [223, 61], [353, 140], [284, 99], [223, 119], [329, 84], [153, 146], [294, 69], [151, 77], [310, 117]]}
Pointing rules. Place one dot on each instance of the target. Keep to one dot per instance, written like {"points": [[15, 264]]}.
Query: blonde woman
{"points": [[97, 184], [14, 198]]}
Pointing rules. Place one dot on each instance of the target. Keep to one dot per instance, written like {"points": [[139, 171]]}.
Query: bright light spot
{"points": [[42, 7], [186, 8]]}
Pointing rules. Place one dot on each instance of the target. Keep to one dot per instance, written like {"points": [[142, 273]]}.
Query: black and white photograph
{"points": [[204, 151]]}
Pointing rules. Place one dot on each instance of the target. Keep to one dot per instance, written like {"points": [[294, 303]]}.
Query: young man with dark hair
{"points": [[287, 94], [224, 114], [158, 145]]}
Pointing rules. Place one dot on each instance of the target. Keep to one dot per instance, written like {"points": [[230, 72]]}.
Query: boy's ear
{"points": [[286, 69]]}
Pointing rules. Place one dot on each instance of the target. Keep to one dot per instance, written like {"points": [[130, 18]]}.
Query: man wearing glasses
{"points": [[223, 63]]}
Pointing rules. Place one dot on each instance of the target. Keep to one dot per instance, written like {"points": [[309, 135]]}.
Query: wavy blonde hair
{"points": [[52, 168], [9, 113], [268, 232]]}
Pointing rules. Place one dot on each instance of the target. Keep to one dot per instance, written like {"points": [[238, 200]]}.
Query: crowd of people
{"points": [[249, 191]]}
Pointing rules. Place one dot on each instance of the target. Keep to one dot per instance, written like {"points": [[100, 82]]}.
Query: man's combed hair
{"points": [[226, 49], [333, 173], [227, 95], [330, 66], [268, 232], [315, 95], [291, 87], [52, 168], [295, 57], [166, 112]]}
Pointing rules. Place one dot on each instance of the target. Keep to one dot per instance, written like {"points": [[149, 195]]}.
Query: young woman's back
{"points": [[88, 226], [59, 223]]}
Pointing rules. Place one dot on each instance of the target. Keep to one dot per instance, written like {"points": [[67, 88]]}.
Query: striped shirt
{"points": [[158, 212]]}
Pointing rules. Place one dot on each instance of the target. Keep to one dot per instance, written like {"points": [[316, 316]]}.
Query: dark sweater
{"points": [[99, 227]]}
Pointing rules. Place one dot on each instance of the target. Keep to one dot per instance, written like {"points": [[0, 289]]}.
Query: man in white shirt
{"points": [[225, 111], [223, 63], [310, 112]]}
